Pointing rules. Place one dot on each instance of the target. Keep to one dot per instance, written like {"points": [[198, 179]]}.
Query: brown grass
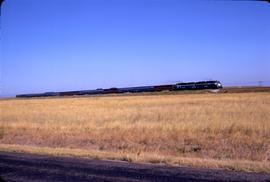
{"points": [[208, 130]]}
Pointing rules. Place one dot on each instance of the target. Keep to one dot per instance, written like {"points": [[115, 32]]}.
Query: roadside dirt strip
{"points": [[29, 167]]}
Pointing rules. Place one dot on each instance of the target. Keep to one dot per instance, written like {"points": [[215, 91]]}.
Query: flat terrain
{"points": [[26, 167], [224, 130]]}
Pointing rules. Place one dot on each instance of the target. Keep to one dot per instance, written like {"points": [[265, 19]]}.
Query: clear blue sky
{"points": [[58, 45]]}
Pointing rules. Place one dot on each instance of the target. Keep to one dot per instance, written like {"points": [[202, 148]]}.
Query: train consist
{"points": [[157, 88]]}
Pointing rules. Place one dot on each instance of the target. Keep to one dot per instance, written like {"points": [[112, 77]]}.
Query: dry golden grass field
{"points": [[226, 130]]}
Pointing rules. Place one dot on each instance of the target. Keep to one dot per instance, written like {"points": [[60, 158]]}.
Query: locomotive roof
{"points": [[201, 82]]}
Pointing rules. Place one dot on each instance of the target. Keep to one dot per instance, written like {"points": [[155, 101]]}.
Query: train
{"points": [[157, 88]]}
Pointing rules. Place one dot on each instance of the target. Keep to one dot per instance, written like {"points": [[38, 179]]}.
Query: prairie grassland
{"points": [[206, 130]]}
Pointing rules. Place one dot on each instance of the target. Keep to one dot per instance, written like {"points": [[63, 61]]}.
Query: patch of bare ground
{"points": [[207, 130]]}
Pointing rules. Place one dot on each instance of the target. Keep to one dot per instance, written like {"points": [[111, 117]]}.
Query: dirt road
{"points": [[29, 167]]}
